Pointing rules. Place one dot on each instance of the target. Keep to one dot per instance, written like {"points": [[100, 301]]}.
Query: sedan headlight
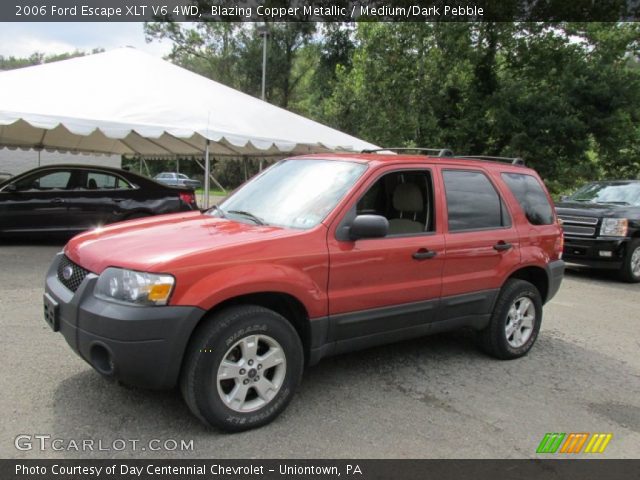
{"points": [[139, 288], [614, 227]]}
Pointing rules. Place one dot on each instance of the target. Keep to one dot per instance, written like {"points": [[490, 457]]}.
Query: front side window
{"points": [[45, 181], [292, 193], [472, 202], [531, 197], [405, 198]]}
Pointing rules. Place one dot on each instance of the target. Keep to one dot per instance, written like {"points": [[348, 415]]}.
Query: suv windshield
{"points": [[616, 193], [292, 193]]}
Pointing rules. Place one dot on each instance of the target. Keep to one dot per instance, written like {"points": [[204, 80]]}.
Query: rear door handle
{"points": [[502, 246], [424, 254]]}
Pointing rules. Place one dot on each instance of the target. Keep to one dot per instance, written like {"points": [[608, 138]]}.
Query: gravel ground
{"points": [[436, 397]]}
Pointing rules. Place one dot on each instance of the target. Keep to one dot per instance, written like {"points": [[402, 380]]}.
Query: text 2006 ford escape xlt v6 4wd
{"points": [[316, 256]]}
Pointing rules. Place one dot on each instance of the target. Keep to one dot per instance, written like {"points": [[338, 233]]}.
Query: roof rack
{"points": [[441, 152], [513, 161]]}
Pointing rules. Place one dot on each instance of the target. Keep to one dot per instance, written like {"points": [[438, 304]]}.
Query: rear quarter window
{"points": [[531, 197]]}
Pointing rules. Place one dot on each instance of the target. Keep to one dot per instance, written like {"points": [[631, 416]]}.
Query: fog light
{"points": [[605, 253]]}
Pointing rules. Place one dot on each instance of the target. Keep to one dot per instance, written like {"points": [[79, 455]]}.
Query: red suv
{"points": [[316, 256]]}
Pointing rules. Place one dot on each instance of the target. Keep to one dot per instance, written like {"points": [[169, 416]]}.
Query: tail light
{"points": [[189, 198], [559, 246]]}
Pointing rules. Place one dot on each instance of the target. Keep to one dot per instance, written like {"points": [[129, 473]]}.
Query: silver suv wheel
{"points": [[520, 322], [251, 373]]}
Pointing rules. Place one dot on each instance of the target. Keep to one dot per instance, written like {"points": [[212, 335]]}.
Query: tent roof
{"points": [[127, 102]]}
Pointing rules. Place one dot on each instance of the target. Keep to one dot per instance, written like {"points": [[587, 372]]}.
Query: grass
{"points": [[212, 191]]}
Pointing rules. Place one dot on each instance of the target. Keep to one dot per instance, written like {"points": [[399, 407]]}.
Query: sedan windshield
{"points": [[292, 193], [616, 192]]}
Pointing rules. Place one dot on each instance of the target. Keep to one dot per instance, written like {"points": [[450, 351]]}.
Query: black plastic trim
{"points": [[145, 344], [555, 274], [363, 329]]}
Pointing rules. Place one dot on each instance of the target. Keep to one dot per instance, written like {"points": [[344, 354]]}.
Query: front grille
{"points": [[579, 231], [579, 220], [579, 226], [77, 273]]}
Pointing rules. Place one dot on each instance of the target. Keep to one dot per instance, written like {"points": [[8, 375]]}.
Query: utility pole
{"points": [[264, 33]]}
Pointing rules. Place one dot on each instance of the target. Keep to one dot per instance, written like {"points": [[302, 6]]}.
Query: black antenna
{"points": [[440, 152]]}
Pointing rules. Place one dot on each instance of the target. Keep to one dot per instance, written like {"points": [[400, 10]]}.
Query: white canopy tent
{"points": [[130, 103]]}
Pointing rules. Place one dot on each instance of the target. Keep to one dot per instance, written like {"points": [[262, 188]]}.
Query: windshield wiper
{"points": [[217, 208], [249, 215]]}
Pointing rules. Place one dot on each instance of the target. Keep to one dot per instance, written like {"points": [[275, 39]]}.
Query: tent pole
{"points": [[207, 172], [213, 179]]}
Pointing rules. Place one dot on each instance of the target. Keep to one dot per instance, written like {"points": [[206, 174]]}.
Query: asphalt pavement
{"points": [[435, 397]]}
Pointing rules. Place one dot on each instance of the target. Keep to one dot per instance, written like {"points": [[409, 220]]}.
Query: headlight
{"points": [[139, 288], [614, 227]]}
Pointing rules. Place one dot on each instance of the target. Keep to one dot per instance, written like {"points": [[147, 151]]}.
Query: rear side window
{"points": [[97, 180], [531, 197], [472, 202]]}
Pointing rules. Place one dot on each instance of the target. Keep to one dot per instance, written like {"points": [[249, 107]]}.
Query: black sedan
{"points": [[72, 198]]}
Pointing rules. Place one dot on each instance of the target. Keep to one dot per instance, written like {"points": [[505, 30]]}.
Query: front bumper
{"points": [[586, 251], [141, 346]]}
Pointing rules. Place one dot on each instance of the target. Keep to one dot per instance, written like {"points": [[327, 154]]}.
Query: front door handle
{"points": [[424, 254], [502, 246], [57, 201]]}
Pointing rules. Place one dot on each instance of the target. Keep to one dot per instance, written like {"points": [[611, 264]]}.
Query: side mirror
{"points": [[11, 188], [369, 226], [564, 198]]}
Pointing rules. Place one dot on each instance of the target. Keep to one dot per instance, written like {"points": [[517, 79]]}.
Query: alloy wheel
{"points": [[251, 373]]}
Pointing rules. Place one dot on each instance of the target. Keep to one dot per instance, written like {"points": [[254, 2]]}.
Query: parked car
{"points": [[69, 199], [601, 224], [317, 255], [177, 180]]}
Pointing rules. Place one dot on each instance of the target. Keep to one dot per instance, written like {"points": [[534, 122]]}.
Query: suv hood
{"points": [[152, 244], [599, 210]]}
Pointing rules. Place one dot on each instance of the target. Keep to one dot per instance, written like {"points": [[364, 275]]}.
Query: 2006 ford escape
{"points": [[316, 256]]}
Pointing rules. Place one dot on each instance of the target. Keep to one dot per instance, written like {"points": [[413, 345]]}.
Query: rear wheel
{"points": [[242, 368], [515, 321], [630, 271]]}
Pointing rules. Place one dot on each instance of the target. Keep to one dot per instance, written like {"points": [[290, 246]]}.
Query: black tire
{"points": [[493, 339], [626, 272], [212, 343]]}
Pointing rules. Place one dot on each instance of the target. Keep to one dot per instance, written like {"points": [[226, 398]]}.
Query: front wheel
{"points": [[242, 368], [631, 265], [515, 321]]}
